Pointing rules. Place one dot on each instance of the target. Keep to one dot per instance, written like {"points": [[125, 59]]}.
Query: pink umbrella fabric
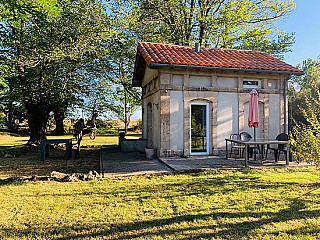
{"points": [[253, 119]]}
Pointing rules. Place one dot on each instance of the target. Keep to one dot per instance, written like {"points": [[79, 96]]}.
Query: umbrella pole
{"points": [[254, 138]]}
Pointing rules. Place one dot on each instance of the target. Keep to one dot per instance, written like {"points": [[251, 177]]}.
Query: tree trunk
{"points": [[10, 117], [59, 117], [37, 119], [125, 113], [127, 123]]}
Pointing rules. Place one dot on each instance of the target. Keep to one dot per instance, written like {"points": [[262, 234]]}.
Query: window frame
{"points": [[251, 86]]}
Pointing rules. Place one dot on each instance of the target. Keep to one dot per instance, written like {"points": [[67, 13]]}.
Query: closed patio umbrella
{"points": [[253, 119]]}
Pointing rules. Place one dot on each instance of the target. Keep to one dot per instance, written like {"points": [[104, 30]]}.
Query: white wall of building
{"points": [[177, 80], [225, 82], [199, 81], [149, 75], [224, 109], [154, 99], [156, 119], [228, 117], [176, 120], [274, 115]]}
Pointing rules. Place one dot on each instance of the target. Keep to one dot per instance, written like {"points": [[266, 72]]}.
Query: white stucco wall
{"points": [[144, 118], [177, 80], [156, 118], [272, 84], [274, 115], [227, 119], [199, 81], [149, 74], [224, 106], [176, 120], [225, 82]]}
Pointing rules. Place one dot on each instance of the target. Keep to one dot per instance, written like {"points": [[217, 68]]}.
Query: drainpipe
{"points": [[285, 89]]}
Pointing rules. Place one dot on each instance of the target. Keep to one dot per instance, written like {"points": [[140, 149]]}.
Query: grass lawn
{"points": [[29, 164], [255, 204], [259, 204], [10, 141]]}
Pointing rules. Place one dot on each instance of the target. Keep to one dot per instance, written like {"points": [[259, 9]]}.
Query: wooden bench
{"points": [[44, 147]]}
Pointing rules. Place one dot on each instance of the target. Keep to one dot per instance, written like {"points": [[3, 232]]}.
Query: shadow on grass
{"points": [[170, 227], [7, 148], [231, 231], [10, 181], [29, 164]]}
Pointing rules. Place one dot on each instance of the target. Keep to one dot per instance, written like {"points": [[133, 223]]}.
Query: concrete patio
{"points": [[207, 163], [116, 163]]}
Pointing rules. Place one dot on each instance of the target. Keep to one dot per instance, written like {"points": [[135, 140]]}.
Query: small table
{"points": [[44, 149], [258, 141]]}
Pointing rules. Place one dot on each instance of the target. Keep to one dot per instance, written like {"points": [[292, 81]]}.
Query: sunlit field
{"points": [[260, 204], [229, 204]]}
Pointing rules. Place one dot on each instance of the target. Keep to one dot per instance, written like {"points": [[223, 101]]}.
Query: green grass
{"points": [[259, 204], [106, 140], [10, 141], [255, 204]]}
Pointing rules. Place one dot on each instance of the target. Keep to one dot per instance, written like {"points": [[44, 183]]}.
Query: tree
{"points": [[248, 24], [305, 106], [94, 99], [14, 17], [113, 90], [122, 104], [305, 138], [122, 99], [3, 70], [59, 115], [49, 45], [309, 82]]}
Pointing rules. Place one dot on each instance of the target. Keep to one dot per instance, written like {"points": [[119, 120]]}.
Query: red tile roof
{"points": [[155, 54]]}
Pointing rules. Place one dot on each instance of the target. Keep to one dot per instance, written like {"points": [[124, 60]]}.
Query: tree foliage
{"points": [[248, 24], [55, 52], [116, 94], [305, 138], [305, 107], [122, 99], [309, 83], [48, 45]]}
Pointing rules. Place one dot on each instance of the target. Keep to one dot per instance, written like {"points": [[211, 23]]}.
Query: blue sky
{"points": [[305, 22]]}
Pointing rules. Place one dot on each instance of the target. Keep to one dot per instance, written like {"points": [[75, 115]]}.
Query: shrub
{"points": [[101, 124], [305, 138], [105, 131], [2, 118]]}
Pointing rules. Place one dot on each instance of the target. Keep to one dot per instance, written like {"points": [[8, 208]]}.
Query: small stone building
{"points": [[192, 99]]}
